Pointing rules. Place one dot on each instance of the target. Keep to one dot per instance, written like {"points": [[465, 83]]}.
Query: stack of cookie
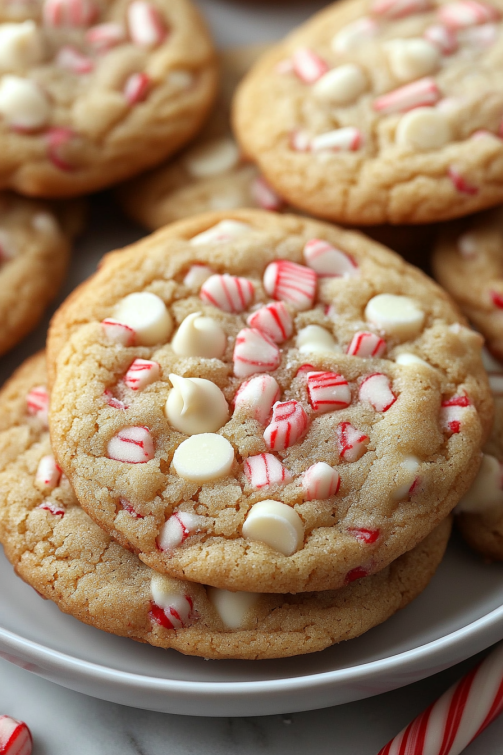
{"points": [[249, 430]]}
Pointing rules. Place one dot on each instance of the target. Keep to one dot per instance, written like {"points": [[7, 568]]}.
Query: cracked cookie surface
{"points": [[57, 549], [340, 422], [381, 112], [81, 81]]}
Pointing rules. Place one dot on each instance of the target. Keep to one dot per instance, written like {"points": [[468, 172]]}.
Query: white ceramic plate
{"points": [[459, 614]]}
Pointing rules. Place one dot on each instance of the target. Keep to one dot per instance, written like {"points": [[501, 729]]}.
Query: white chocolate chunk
{"points": [[275, 524], [354, 35], [203, 458], [222, 232], [410, 59], [314, 338], [166, 594], [197, 275], [397, 316], [196, 406], [199, 336], [407, 475], [213, 159], [232, 607], [20, 46], [341, 85], [146, 313], [423, 128], [22, 103], [405, 359], [486, 493]]}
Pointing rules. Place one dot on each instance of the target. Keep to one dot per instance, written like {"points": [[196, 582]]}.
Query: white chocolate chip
{"points": [[410, 59], [407, 475], [405, 359], [341, 85], [45, 222], [275, 524], [146, 313], [196, 406], [181, 79], [213, 159], [486, 493], [423, 128], [197, 275], [468, 245], [203, 458], [232, 607], [354, 35], [22, 103], [397, 316], [314, 338], [222, 232], [199, 336], [20, 46]]}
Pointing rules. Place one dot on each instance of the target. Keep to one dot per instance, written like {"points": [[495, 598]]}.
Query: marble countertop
{"points": [[63, 721]]}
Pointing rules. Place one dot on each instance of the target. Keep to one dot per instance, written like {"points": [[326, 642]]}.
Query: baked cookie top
{"points": [[382, 111], [265, 403], [212, 173], [34, 254], [81, 81], [468, 262], [57, 548]]}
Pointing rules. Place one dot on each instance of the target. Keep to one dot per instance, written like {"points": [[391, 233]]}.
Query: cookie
{"points": [[264, 402], [381, 112], [211, 174], [55, 547], [468, 262], [95, 91], [34, 255], [480, 511]]}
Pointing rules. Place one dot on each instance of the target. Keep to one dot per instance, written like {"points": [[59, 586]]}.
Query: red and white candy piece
{"points": [[53, 508], [197, 275], [131, 445], [69, 14], [136, 88], [329, 262], [417, 94], [274, 320], [291, 283], [147, 315], [48, 473], [229, 293], [257, 396], [264, 470], [408, 478], [354, 35], [365, 535], [497, 299], [142, 373], [486, 492], [460, 183], [300, 141], [453, 412], [399, 8], [177, 529], [170, 608], [308, 66], [442, 37], [265, 196], [465, 13], [104, 37], [130, 509], [327, 391], [366, 345], [221, 233], [15, 737], [73, 60], [320, 482], [346, 139], [352, 443], [118, 332], [482, 37], [254, 352], [57, 140], [146, 24], [275, 524], [37, 402], [112, 401], [288, 426], [23, 104], [376, 389]]}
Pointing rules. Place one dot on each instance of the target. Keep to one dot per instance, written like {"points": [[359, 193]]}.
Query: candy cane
{"points": [[456, 718]]}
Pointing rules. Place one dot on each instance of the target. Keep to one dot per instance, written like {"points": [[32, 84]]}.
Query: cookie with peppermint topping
{"points": [[35, 240], [266, 387], [95, 91], [381, 111], [57, 549]]}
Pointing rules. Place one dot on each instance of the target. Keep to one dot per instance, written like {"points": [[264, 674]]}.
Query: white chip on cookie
{"points": [[410, 59], [213, 159], [486, 493], [196, 405], [397, 316], [342, 85], [20, 45], [147, 315], [199, 336], [424, 129], [232, 607], [22, 103], [203, 458], [275, 524], [314, 338]]}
